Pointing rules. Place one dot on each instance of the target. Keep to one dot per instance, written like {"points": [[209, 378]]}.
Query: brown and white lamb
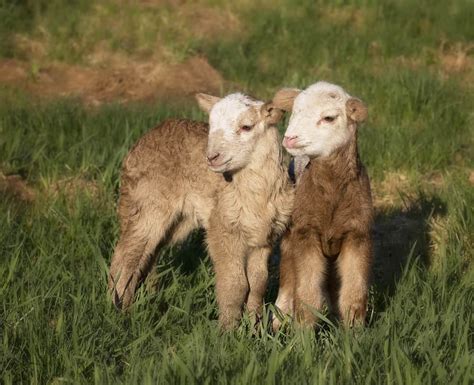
{"points": [[226, 177], [326, 253]]}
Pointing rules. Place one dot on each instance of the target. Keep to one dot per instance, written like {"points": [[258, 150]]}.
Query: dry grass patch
{"points": [[72, 186], [456, 57], [347, 15], [208, 23], [448, 60], [391, 189], [16, 186], [124, 81]]}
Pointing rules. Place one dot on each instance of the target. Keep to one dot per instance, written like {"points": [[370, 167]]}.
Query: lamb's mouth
{"points": [[297, 150], [221, 167], [295, 146]]}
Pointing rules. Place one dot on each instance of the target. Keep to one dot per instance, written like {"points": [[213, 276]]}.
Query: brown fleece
{"points": [[331, 224]]}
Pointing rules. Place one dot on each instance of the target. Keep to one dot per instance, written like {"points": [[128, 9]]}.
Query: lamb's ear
{"points": [[270, 113], [206, 102], [285, 97], [356, 110]]}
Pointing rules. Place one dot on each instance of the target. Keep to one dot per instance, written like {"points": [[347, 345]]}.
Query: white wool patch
{"points": [[226, 114], [315, 136]]}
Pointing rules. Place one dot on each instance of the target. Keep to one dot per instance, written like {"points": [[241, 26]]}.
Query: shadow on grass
{"points": [[183, 258], [401, 235]]}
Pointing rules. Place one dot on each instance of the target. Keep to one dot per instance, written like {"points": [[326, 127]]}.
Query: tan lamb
{"points": [[226, 177], [326, 253]]}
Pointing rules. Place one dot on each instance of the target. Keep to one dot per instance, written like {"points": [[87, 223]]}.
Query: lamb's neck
{"points": [[266, 160], [343, 164]]}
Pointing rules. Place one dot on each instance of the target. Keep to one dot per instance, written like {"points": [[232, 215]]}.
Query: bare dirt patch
{"points": [[17, 187], [122, 81]]}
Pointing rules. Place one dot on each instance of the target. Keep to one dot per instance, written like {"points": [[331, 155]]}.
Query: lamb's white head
{"points": [[324, 117], [236, 123]]}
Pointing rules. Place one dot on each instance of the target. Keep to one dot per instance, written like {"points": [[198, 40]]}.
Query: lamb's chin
{"points": [[299, 151]]}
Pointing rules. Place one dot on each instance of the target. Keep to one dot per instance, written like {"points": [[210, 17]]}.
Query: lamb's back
{"points": [[170, 157]]}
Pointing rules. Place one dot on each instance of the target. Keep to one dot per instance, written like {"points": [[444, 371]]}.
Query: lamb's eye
{"points": [[329, 119], [246, 128]]}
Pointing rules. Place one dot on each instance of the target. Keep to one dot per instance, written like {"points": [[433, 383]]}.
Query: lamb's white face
{"points": [[323, 118], [235, 124], [318, 123]]}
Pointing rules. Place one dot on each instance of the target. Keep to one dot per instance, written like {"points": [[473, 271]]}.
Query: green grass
{"points": [[57, 324]]}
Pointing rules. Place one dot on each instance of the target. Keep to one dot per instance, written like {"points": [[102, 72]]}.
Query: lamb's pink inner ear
{"points": [[271, 114], [206, 102], [356, 110], [285, 98]]}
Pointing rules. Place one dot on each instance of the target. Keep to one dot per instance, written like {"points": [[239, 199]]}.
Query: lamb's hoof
{"points": [[123, 291], [124, 301], [117, 300], [228, 324], [354, 317], [276, 324]]}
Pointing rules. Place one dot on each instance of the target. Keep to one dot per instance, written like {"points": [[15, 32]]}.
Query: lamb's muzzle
{"points": [[290, 141]]}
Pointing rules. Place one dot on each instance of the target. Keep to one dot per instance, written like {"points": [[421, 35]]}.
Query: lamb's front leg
{"points": [[285, 301], [228, 256], [310, 267], [354, 263], [257, 275]]}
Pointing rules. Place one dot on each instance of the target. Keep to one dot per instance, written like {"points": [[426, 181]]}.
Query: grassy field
{"points": [[410, 61]]}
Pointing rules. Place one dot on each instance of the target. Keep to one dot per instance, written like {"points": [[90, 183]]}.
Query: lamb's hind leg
{"points": [[134, 253]]}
